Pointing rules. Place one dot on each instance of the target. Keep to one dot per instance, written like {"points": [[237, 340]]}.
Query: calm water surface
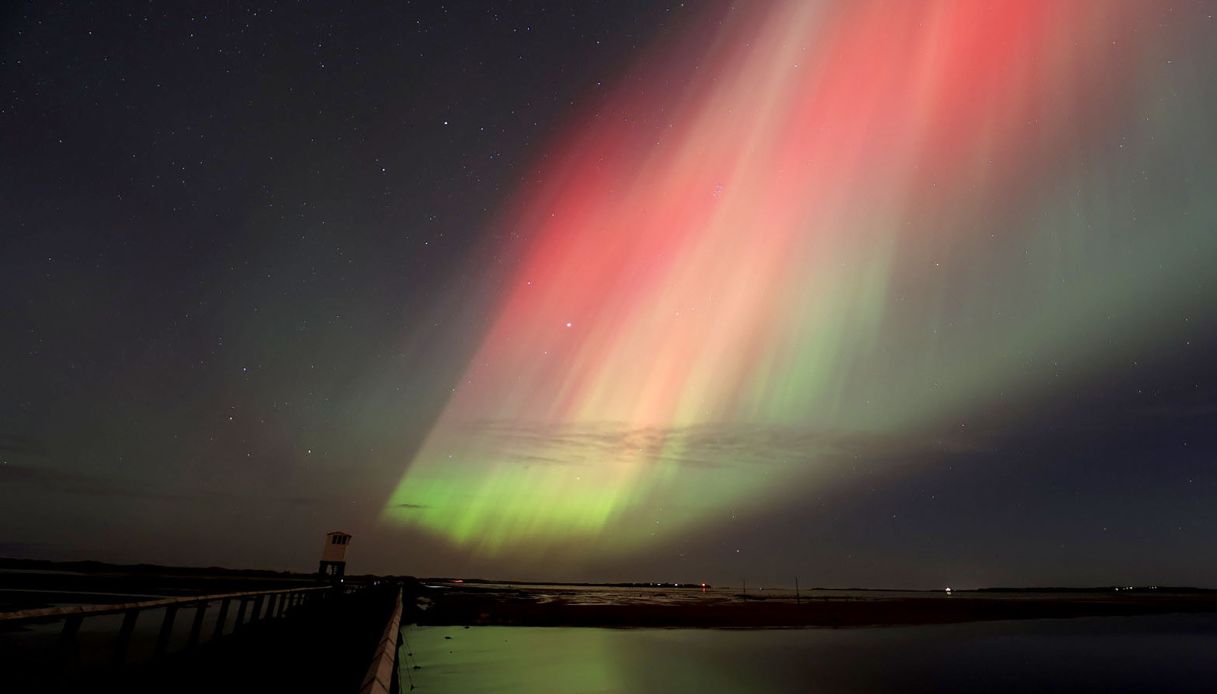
{"points": [[1162, 653]]}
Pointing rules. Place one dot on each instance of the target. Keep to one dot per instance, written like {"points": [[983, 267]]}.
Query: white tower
{"points": [[334, 555]]}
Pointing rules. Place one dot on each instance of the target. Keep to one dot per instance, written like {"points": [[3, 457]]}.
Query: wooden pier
{"points": [[333, 638]]}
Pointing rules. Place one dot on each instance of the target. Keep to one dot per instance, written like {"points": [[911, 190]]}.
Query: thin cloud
{"points": [[706, 446]]}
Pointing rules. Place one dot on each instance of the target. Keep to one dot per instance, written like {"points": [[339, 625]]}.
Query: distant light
{"points": [[568, 324], [948, 591]]}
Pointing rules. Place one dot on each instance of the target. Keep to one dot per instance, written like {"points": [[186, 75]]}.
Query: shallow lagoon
{"points": [[1160, 653]]}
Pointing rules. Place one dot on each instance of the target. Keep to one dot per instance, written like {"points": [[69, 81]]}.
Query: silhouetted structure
{"points": [[334, 556]]}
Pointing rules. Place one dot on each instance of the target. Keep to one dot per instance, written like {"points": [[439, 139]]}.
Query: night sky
{"points": [[873, 293]]}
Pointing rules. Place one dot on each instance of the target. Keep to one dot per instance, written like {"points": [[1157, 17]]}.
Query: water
{"points": [[1160, 653]]}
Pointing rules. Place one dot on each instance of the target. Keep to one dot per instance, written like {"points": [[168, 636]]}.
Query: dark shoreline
{"points": [[521, 608], [27, 584]]}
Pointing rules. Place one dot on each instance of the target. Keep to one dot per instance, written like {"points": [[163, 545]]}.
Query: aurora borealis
{"points": [[881, 292], [811, 223]]}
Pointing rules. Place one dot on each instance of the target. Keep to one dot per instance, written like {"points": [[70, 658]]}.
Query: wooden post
{"points": [[223, 617], [124, 636], [256, 613], [68, 647], [162, 639], [283, 604], [270, 606], [196, 627], [71, 626], [240, 615]]}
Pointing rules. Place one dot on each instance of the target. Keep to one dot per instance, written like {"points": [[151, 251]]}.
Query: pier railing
{"points": [[380, 675], [251, 606]]}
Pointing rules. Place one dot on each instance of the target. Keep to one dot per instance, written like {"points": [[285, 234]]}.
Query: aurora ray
{"points": [[806, 225]]}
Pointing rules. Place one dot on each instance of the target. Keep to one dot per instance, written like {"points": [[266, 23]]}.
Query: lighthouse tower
{"points": [[334, 555]]}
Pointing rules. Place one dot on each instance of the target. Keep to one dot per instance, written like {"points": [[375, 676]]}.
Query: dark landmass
{"points": [[1180, 590], [472, 582], [32, 583], [95, 567], [461, 606], [573, 584], [28, 584]]}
